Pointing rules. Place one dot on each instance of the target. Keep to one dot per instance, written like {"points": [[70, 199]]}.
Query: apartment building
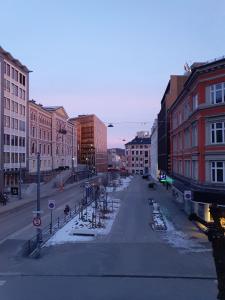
{"points": [[197, 138], [40, 137], [14, 95], [173, 89], [63, 144], [138, 154], [154, 151], [91, 142]]}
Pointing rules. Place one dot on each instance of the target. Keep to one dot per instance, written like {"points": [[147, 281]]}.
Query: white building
{"points": [[154, 150], [138, 154], [14, 95]]}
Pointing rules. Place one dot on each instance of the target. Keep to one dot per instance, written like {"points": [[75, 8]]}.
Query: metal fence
{"points": [[57, 223]]}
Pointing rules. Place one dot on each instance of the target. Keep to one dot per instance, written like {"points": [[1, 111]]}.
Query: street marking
{"points": [[2, 282]]}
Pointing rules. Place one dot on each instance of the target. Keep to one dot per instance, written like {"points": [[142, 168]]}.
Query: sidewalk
{"points": [[14, 204], [174, 213]]}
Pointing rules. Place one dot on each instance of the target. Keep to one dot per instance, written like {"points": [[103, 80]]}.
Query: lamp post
{"points": [[20, 182], [39, 232], [73, 170]]}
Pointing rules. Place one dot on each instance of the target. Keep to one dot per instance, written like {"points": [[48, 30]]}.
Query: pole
{"points": [[20, 181], [38, 198], [51, 223], [73, 169]]}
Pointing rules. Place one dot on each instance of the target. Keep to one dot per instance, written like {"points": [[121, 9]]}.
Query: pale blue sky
{"points": [[111, 58]]}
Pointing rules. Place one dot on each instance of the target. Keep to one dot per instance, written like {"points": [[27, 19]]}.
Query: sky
{"points": [[112, 58]]}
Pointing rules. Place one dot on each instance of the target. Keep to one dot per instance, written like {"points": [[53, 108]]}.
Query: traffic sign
{"points": [[51, 204], [187, 195], [37, 221]]}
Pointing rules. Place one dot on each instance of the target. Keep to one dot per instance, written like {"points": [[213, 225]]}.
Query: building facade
{"points": [[173, 89], [14, 95], [197, 138], [63, 143], [92, 142], [154, 151], [52, 135], [40, 137], [138, 154]]}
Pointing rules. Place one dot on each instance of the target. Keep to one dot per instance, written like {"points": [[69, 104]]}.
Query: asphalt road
{"points": [[132, 262], [18, 224]]}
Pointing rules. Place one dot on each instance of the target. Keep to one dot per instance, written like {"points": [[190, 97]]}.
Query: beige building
{"points": [[40, 137], [52, 135], [138, 154], [91, 142], [14, 95]]}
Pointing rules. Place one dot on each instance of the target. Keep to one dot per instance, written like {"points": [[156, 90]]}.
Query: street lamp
{"points": [[73, 170], [20, 182]]}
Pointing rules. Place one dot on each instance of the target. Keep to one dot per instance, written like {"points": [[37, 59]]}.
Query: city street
{"points": [[132, 262]]}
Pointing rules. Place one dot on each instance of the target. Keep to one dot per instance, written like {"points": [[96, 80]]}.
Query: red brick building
{"points": [[197, 138]]}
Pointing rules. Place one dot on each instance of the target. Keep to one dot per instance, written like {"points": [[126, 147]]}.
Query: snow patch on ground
{"points": [[64, 235], [122, 185], [178, 239]]}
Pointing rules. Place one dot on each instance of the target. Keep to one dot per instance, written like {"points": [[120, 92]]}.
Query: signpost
{"points": [[51, 206], [187, 195]]}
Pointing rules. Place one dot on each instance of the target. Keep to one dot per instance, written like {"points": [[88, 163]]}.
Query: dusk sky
{"points": [[111, 58]]}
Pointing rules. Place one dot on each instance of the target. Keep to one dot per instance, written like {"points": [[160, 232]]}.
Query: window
{"points": [[217, 93], [146, 153], [8, 70], [12, 140], [195, 169], [7, 121], [218, 132], [180, 168], [187, 138], [16, 75], [21, 125], [6, 139], [16, 140], [218, 171], [7, 86], [132, 152], [179, 141], [195, 101], [187, 169], [194, 138]]}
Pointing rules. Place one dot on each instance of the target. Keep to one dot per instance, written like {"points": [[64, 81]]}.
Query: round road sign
{"points": [[51, 204], [37, 221]]}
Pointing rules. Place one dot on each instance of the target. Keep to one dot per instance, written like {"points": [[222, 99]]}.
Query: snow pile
{"points": [[123, 183], [65, 234], [157, 217], [178, 239]]}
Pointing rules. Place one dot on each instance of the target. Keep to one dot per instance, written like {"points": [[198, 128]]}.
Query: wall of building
{"points": [[198, 135], [14, 98], [154, 151]]}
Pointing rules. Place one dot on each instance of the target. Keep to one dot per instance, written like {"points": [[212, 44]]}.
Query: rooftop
{"points": [[9, 56], [140, 141]]}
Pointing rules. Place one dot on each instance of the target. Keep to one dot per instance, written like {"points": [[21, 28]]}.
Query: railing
{"points": [[48, 231]]}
